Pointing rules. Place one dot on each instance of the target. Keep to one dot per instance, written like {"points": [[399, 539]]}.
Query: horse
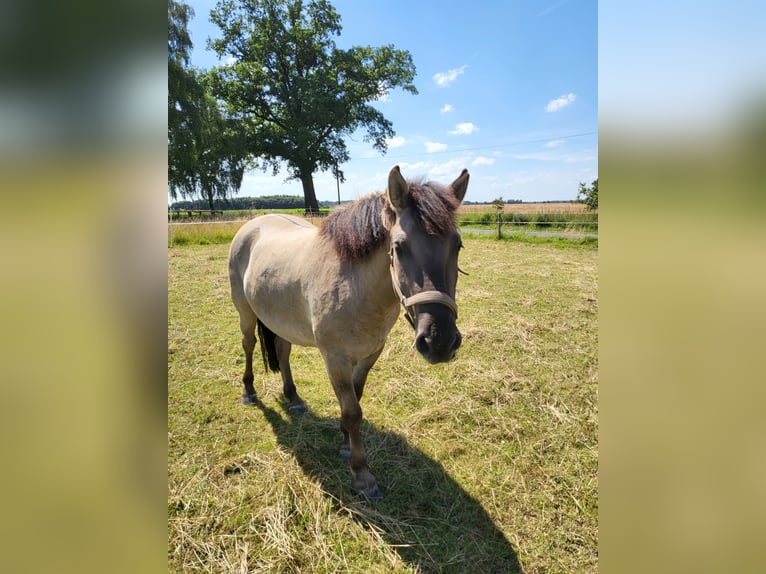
{"points": [[339, 287]]}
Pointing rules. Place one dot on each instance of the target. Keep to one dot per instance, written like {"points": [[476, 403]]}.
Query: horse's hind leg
{"points": [[247, 323], [283, 347]]}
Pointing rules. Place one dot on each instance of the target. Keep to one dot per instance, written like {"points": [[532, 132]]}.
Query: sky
{"points": [[508, 90]]}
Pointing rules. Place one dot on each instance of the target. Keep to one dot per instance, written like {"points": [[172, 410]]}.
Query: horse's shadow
{"points": [[426, 516]]}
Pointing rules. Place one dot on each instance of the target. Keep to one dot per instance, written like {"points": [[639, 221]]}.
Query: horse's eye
{"points": [[399, 247]]}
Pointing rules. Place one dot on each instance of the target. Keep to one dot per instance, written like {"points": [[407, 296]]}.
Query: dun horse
{"points": [[339, 287]]}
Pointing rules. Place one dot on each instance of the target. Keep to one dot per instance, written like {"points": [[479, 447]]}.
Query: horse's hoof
{"points": [[373, 494], [249, 399], [297, 409], [345, 453]]}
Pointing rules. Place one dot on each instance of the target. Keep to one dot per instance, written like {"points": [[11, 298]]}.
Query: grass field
{"points": [[488, 463]]}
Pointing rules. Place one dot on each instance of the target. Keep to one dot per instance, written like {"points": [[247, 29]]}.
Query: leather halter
{"points": [[431, 296]]}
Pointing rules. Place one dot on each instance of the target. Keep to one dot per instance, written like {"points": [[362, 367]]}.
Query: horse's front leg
{"points": [[340, 372], [358, 378]]}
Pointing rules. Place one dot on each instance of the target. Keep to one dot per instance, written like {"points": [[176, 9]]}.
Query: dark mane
{"points": [[360, 228]]}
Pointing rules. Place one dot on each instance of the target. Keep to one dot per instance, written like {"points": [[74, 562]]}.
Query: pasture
{"points": [[488, 463]]}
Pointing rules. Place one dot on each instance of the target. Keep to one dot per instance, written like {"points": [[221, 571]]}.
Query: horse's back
{"points": [[268, 228], [268, 262]]}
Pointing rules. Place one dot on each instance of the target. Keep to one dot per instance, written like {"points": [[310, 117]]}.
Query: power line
{"points": [[495, 146]]}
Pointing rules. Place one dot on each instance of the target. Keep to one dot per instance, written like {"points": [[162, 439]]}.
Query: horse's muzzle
{"points": [[437, 348]]}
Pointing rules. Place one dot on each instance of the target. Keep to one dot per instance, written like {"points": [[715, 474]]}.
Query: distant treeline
{"points": [[265, 202]]}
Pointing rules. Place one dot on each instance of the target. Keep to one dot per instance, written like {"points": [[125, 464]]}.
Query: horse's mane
{"points": [[361, 227]]}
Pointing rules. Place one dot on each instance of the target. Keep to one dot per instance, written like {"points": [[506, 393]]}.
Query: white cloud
{"points": [[410, 167], [560, 102], [483, 161], [444, 79], [432, 147], [446, 108], [396, 141], [448, 169], [464, 129], [554, 143]]}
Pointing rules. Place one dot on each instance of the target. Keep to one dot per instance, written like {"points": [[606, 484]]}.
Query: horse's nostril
{"points": [[422, 344]]}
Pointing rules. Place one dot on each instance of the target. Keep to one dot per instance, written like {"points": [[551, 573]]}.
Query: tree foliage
{"points": [[295, 93], [589, 195], [206, 151]]}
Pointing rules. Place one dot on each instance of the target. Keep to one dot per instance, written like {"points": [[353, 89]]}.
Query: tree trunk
{"points": [[208, 196], [309, 196]]}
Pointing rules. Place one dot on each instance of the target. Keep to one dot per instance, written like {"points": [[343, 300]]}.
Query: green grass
{"points": [[562, 240], [582, 222], [485, 462], [208, 233]]}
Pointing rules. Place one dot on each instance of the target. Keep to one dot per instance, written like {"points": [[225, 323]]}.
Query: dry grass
{"points": [[488, 463], [527, 208]]}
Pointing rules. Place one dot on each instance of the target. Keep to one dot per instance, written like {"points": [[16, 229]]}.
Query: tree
{"points": [[296, 94], [182, 92], [206, 152], [589, 195]]}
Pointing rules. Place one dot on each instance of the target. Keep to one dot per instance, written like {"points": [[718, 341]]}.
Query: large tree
{"points": [[206, 152], [182, 92], [296, 94]]}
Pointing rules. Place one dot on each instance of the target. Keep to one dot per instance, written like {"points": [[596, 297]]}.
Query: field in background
{"points": [[487, 461], [526, 208]]}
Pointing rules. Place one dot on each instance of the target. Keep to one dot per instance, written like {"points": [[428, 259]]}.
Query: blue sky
{"points": [[507, 89]]}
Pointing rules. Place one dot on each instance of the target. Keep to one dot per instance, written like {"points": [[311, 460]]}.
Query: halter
{"points": [[419, 298]]}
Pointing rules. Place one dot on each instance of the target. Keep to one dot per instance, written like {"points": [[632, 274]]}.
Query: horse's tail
{"points": [[268, 348]]}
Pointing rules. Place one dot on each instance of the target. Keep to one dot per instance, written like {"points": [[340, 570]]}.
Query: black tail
{"points": [[268, 348]]}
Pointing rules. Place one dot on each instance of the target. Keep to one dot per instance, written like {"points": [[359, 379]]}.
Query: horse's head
{"points": [[424, 250]]}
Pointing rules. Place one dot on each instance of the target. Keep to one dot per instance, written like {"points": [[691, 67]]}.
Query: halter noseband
{"points": [[419, 298]]}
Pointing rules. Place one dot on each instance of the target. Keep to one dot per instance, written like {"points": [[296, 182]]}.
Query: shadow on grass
{"points": [[426, 516]]}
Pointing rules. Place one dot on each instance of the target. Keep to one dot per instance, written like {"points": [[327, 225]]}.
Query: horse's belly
{"points": [[281, 306]]}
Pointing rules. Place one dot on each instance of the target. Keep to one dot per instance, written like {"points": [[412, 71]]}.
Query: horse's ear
{"points": [[460, 185], [397, 190]]}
